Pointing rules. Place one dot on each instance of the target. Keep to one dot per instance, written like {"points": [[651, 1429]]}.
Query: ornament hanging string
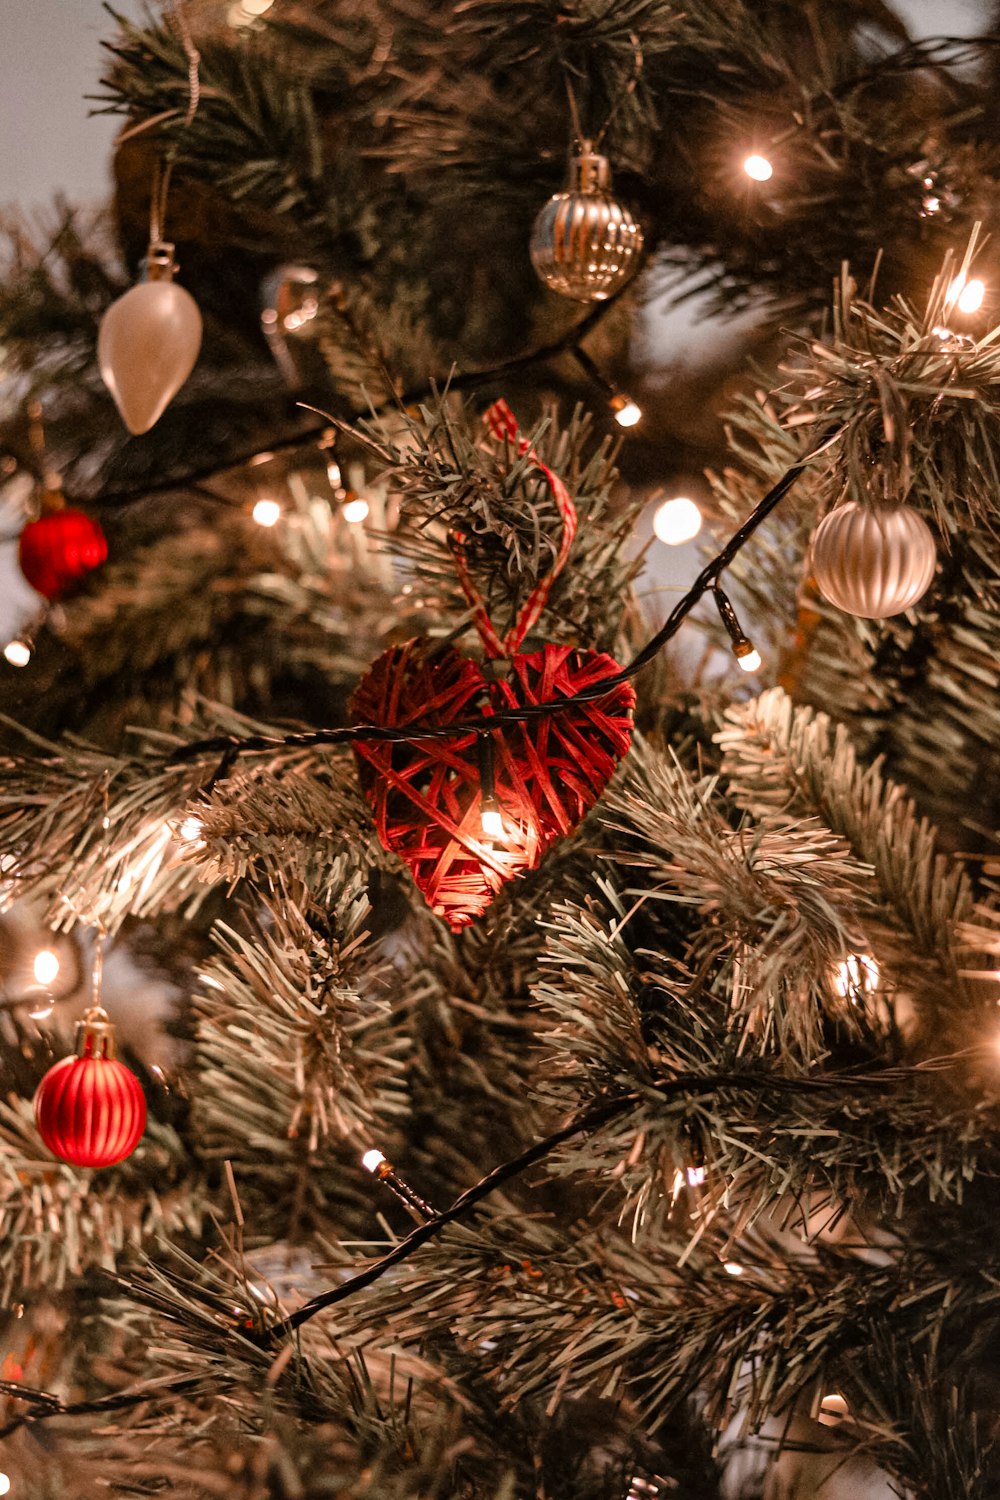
{"points": [[627, 91], [164, 169], [503, 428]]}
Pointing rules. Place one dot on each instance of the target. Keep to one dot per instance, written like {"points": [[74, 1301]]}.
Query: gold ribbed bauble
{"points": [[873, 563], [584, 243]]}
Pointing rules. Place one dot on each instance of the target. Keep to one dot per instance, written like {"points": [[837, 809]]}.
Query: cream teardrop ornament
{"points": [[873, 563], [148, 343]]}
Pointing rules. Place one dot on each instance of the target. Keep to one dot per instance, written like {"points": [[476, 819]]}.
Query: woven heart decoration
{"points": [[425, 792]]}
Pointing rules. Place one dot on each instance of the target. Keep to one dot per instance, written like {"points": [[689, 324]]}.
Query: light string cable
{"points": [[43, 1405], [456, 380], [930, 52], [233, 746]]}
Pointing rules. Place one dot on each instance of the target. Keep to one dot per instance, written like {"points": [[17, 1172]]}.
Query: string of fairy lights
{"points": [[585, 245], [677, 520]]}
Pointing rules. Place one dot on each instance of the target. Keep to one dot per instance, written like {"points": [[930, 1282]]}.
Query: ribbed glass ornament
{"points": [[59, 549], [90, 1109], [873, 563], [585, 243]]}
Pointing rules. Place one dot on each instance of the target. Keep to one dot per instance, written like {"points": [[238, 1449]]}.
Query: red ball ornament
{"points": [[59, 549], [426, 795], [90, 1109]]}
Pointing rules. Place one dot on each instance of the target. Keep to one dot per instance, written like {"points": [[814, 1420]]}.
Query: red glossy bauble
{"points": [[59, 549], [90, 1110]]}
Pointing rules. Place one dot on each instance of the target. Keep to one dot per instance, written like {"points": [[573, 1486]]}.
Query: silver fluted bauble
{"points": [[148, 342], [584, 243], [873, 563]]}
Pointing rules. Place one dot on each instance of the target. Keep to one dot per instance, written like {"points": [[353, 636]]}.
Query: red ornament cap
{"points": [[90, 1109], [59, 549]]}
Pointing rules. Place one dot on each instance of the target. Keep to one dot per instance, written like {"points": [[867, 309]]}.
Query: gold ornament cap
{"points": [[589, 171], [95, 1035], [160, 264]]}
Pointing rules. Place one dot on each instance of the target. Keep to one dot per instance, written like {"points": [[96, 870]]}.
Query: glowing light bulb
{"points": [[676, 521], [46, 967], [492, 821], [733, 1268], [833, 1409], [750, 661], [971, 297], [190, 830], [267, 512], [18, 653], [857, 973], [355, 510], [967, 295], [758, 168], [333, 474], [372, 1160], [4, 1484], [627, 412], [696, 1176]]}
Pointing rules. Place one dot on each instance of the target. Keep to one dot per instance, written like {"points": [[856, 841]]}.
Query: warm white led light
{"points": [[4, 1484], [750, 661], [492, 821], [965, 294], [18, 653], [857, 972], [833, 1409], [372, 1160], [696, 1176], [627, 412], [191, 829], [758, 167], [267, 512], [355, 510], [676, 521], [733, 1268], [46, 967], [971, 297]]}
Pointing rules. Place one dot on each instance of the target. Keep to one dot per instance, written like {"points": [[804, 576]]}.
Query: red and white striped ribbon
{"points": [[503, 428]]}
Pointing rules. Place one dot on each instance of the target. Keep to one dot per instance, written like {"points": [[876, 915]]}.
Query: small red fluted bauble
{"points": [[426, 795], [90, 1109], [59, 549]]}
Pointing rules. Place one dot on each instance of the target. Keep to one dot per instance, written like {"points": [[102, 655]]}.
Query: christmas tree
{"points": [[552, 1062]]}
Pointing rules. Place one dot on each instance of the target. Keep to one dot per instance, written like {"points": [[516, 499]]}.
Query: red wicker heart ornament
{"points": [[425, 794]]}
